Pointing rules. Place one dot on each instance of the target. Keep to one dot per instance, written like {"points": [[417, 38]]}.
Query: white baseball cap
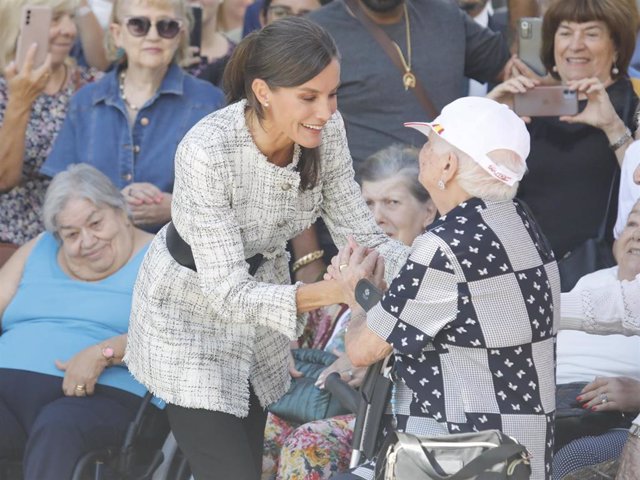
{"points": [[478, 126]]}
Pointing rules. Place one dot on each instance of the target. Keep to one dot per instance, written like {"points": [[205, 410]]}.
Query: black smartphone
{"points": [[195, 39]]}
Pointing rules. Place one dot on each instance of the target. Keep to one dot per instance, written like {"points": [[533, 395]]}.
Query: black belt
{"points": [[181, 252]]}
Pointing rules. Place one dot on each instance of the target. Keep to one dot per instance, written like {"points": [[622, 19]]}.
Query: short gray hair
{"points": [[79, 181], [396, 159], [476, 181]]}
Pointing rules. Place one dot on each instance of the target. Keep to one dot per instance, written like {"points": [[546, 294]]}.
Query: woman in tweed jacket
{"points": [[215, 344]]}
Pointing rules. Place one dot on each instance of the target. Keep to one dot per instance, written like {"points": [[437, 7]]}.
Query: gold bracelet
{"points": [[306, 260]]}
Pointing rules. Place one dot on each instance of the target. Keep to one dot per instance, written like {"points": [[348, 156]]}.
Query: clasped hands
{"points": [[353, 263]]}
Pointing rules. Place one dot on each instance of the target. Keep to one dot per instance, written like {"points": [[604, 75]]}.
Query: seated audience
{"points": [[609, 364], [609, 308], [129, 124], [469, 319], [33, 105], [65, 303], [402, 208], [574, 159]]}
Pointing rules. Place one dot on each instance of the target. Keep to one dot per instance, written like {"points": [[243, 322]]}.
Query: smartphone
{"points": [[530, 43], [367, 294], [195, 39], [546, 101], [35, 23]]}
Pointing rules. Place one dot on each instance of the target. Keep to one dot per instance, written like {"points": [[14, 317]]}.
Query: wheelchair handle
{"points": [[347, 395]]}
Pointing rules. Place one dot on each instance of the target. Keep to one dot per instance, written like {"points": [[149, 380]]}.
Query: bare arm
{"points": [[302, 244], [364, 346], [22, 90], [11, 274], [92, 38]]}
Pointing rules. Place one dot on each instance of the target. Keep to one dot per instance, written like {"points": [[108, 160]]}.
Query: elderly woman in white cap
{"points": [[470, 317]]}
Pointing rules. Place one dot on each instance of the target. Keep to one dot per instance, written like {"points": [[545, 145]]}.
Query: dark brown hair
{"points": [[620, 16], [285, 54]]}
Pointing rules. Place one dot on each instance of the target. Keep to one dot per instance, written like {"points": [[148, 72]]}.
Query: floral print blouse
{"points": [[20, 207]]}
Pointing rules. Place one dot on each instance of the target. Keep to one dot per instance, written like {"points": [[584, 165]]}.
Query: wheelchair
{"points": [[149, 452]]}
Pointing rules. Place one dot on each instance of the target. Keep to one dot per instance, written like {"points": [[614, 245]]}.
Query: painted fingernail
{"points": [[579, 398]]}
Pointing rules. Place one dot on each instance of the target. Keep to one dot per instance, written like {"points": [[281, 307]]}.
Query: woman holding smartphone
{"points": [[33, 104], [586, 46], [214, 343]]}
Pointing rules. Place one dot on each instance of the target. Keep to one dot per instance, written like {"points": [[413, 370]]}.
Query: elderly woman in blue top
{"points": [[64, 304], [128, 125], [470, 317]]}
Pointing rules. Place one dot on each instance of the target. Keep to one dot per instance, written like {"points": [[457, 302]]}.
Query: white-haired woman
{"points": [[129, 124], [33, 105], [469, 318], [64, 303]]}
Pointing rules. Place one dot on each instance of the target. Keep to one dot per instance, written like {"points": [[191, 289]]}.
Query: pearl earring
{"points": [[615, 70], [554, 68], [441, 185]]}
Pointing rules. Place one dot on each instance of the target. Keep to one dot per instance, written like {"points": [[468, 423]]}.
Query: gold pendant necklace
{"points": [[409, 79]]}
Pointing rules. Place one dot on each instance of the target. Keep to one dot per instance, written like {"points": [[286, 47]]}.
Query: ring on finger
{"points": [[342, 266], [603, 398]]}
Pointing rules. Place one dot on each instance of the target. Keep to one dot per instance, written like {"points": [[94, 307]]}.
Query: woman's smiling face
{"points": [[300, 113]]}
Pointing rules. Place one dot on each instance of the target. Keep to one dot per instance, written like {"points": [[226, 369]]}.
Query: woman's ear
{"points": [[450, 167], [261, 90], [114, 30]]}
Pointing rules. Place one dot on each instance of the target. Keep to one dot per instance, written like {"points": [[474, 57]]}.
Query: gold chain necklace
{"points": [[409, 79]]}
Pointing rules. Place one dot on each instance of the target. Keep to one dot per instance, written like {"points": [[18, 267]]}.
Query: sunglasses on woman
{"points": [[140, 26]]}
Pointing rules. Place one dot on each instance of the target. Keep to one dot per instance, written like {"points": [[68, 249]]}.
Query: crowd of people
{"points": [[179, 212]]}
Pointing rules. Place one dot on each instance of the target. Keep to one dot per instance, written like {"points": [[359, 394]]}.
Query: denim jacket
{"points": [[97, 131]]}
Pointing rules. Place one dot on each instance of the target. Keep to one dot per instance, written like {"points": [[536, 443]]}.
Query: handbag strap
{"points": [[387, 45], [475, 468]]}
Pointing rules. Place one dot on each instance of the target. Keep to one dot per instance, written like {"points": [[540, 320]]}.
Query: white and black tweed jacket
{"points": [[197, 339]]}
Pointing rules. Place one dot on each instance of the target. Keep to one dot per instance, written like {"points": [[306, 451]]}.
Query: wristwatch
{"points": [[109, 354], [634, 430]]}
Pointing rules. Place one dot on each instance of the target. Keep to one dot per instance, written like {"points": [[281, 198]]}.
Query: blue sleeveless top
{"points": [[53, 316]]}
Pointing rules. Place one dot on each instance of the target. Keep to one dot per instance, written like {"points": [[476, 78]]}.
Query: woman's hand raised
{"points": [[26, 84], [504, 92], [599, 111]]}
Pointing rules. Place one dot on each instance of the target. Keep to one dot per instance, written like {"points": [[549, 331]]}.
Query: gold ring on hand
{"points": [[342, 266], [80, 388]]}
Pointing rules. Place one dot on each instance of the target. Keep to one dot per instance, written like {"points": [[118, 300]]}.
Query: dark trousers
{"points": [[220, 446], [51, 432]]}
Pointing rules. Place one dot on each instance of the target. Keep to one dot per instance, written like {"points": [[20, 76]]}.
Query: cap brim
{"points": [[423, 127]]}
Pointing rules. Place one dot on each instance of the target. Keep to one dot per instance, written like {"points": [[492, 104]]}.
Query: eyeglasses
{"points": [[140, 26], [282, 11]]}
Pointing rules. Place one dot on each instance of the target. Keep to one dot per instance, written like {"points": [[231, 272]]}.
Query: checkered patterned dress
{"points": [[471, 319]]}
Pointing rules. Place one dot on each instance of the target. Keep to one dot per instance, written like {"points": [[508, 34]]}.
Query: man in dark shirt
{"points": [[439, 44]]}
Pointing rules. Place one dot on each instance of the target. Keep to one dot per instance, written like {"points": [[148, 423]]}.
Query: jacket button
{"points": [[285, 186], [127, 177], [144, 121], [281, 224], [136, 149]]}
